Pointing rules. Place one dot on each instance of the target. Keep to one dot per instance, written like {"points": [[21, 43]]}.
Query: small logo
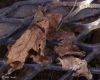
{"points": [[8, 77]]}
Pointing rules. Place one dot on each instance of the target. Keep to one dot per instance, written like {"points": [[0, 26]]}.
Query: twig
{"points": [[67, 76], [41, 66], [95, 70], [3, 68], [37, 68]]}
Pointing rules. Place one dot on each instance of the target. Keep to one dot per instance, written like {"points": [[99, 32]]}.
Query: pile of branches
{"points": [[38, 35]]}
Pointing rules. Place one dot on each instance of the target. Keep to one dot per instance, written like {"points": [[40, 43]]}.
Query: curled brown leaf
{"points": [[76, 64]]}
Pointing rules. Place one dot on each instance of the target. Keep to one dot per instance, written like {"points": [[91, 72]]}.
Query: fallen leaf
{"points": [[41, 59], [65, 44], [80, 66], [33, 38]]}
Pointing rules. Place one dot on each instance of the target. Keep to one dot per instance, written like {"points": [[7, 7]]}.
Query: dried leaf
{"points": [[33, 38], [80, 66], [41, 60], [54, 20], [30, 39], [65, 44]]}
